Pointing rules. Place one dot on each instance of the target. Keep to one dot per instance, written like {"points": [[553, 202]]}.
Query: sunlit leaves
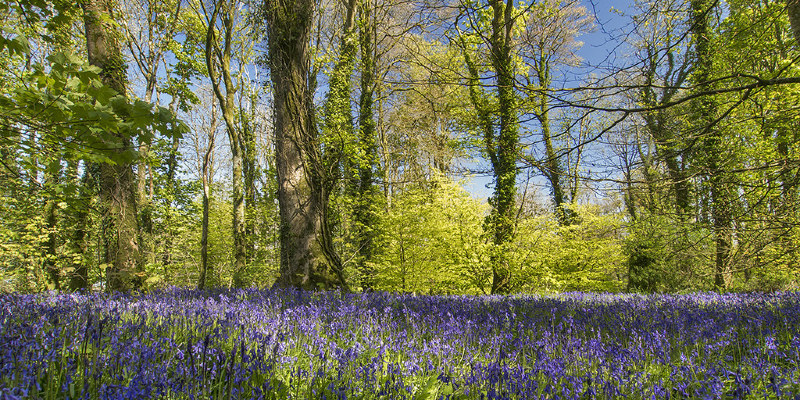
{"points": [[433, 241], [65, 102]]}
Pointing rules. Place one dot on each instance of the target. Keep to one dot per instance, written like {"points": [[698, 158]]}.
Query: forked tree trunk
{"points": [[218, 63]]}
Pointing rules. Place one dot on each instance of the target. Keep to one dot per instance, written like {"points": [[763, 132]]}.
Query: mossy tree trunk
{"points": [[117, 182], [713, 142], [218, 55], [366, 216], [500, 136], [298, 159]]}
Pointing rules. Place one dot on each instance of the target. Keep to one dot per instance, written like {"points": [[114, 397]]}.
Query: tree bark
{"points": [[147, 50], [499, 144], [172, 169], [338, 142], [504, 146], [301, 202], [51, 210], [705, 110], [206, 270], [117, 181], [793, 9], [366, 209], [551, 167], [250, 173], [218, 63]]}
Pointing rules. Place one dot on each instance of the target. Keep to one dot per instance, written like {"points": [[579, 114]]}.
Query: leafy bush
{"points": [[433, 242], [586, 255]]}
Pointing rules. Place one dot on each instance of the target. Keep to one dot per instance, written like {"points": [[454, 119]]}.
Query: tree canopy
{"points": [[480, 146]]}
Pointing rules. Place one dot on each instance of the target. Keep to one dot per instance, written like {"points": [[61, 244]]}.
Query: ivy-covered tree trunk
{"points": [[298, 158], [713, 145], [250, 174], [501, 142], [503, 148], [339, 151], [669, 145], [338, 114], [117, 181], [366, 216]]}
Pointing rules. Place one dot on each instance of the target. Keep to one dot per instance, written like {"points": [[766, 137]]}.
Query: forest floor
{"points": [[180, 343]]}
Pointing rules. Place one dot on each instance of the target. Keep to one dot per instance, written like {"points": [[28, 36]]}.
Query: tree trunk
{"points": [[250, 174], [789, 179], [145, 205], [117, 182], [79, 279], [552, 168], [366, 209], [500, 145], [51, 210], [793, 8], [713, 142], [339, 142], [504, 162], [218, 63], [300, 197], [172, 169], [206, 270], [668, 148]]}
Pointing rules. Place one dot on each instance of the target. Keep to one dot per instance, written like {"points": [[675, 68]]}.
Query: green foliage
{"points": [[584, 256], [24, 236], [58, 113], [65, 103], [432, 242], [445, 102], [666, 255]]}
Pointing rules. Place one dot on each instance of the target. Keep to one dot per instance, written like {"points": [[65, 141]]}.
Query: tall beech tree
{"points": [[305, 262], [218, 53], [117, 181]]}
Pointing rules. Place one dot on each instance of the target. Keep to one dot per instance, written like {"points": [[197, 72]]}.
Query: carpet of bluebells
{"points": [[242, 344]]}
